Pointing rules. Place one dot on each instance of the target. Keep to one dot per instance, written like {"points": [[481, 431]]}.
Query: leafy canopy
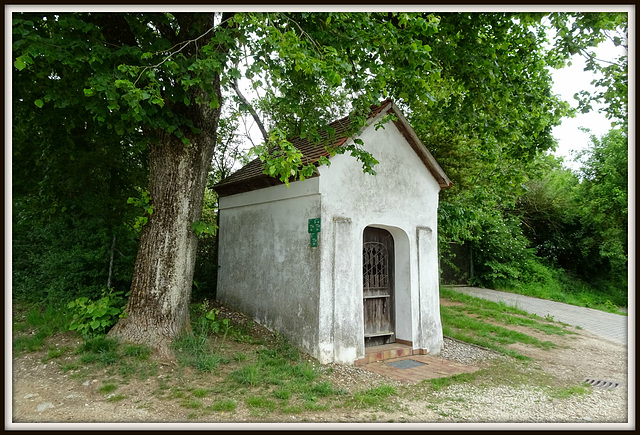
{"points": [[100, 88]]}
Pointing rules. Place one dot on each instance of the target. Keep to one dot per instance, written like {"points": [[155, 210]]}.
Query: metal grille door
{"points": [[377, 277]]}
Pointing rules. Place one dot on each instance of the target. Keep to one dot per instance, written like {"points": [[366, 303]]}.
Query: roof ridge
{"points": [[252, 176], [311, 152]]}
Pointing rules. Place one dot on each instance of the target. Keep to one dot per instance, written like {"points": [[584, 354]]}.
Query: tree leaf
{"points": [[20, 64]]}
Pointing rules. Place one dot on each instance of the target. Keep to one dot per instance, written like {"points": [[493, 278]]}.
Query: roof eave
{"points": [[260, 181]]}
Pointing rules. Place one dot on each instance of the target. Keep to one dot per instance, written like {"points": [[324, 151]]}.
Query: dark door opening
{"points": [[378, 287]]}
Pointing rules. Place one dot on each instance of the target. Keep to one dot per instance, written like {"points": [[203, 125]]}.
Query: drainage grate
{"points": [[601, 383], [406, 364]]}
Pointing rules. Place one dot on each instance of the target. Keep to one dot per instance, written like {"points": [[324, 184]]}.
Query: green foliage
{"points": [[144, 203], [501, 252], [477, 213], [140, 352], [95, 318], [440, 383], [206, 268], [202, 228], [285, 161], [67, 255], [580, 33], [537, 231], [578, 222], [224, 405], [208, 322], [570, 391], [71, 175], [374, 396], [512, 116], [96, 94], [195, 349], [33, 324], [603, 198]]}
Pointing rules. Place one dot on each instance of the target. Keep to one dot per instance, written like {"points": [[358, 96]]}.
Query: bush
{"points": [[501, 252], [93, 319], [67, 257]]}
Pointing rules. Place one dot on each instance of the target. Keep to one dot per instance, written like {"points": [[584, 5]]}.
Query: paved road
{"points": [[609, 326]]}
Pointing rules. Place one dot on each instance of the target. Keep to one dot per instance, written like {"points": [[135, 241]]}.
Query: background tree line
{"points": [[102, 102]]}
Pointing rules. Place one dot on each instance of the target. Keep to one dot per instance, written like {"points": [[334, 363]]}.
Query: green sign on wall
{"points": [[314, 229], [314, 225]]}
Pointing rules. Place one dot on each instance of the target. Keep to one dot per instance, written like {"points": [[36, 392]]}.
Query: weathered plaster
{"points": [[402, 197], [313, 296], [266, 267]]}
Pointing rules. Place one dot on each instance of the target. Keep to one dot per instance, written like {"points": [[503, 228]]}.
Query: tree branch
{"points": [[253, 112], [591, 56]]}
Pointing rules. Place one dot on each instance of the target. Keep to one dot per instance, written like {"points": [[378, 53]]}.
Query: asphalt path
{"points": [[612, 327]]}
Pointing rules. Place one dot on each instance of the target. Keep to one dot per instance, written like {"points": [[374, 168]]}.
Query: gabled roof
{"points": [[252, 176]]}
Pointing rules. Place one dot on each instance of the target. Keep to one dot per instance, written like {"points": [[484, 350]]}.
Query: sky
{"points": [[568, 81]]}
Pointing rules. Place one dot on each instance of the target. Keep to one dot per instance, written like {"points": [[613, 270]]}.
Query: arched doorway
{"points": [[378, 286]]}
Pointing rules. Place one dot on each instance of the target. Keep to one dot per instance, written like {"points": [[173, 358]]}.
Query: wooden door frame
{"points": [[388, 335]]}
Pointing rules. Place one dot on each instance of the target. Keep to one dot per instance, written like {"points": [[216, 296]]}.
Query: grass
{"points": [[570, 391], [107, 388], [561, 287], [200, 393], [140, 352], [479, 321], [116, 398], [374, 396], [36, 324], [55, 352], [224, 405], [440, 383], [231, 370], [191, 404], [500, 312], [284, 382], [265, 377], [260, 403]]}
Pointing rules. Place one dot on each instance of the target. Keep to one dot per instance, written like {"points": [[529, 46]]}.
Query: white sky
{"points": [[568, 81]]}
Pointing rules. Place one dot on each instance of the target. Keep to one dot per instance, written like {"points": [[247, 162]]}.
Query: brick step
{"points": [[385, 352]]}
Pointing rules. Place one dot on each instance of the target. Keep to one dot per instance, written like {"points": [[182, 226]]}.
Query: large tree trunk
{"points": [[158, 306]]}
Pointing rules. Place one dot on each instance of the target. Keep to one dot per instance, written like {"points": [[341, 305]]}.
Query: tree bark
{"points": [[111, 255], [158, 306]]}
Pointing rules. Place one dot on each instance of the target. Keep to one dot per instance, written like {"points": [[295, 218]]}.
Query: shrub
{"points": [[95, 318]]}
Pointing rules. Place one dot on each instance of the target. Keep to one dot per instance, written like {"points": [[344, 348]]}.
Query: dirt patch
{"points": [[45, 393]]}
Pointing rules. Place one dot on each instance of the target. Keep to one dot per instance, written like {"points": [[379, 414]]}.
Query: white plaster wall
{"points": [[429, 335], [313, 296], [266, 267], [401, 198]]}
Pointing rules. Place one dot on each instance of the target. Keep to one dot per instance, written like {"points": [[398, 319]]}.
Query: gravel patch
{"points": [[505, 404], [466, 353]]}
